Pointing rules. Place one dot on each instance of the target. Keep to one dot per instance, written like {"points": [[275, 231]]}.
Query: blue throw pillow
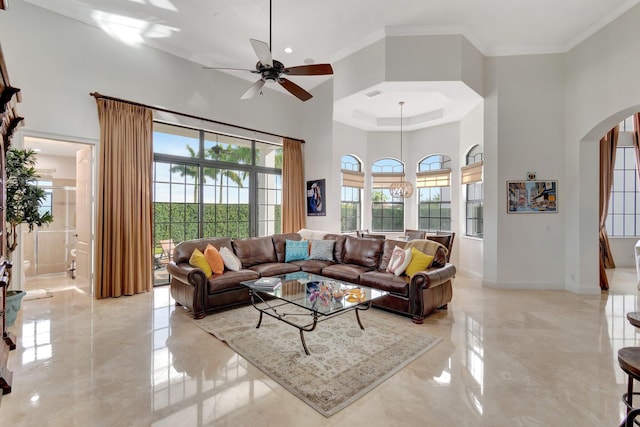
{"points": [[296, 250]]}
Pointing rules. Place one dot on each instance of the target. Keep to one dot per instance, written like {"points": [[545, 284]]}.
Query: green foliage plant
{"points": [[23, 196]]}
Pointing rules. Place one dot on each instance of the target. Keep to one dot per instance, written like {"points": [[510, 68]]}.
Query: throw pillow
{"points": [[296, 250], [214, 259], [231, 261], [321, 249], [198, 260], [419, 261], [400, 259]]}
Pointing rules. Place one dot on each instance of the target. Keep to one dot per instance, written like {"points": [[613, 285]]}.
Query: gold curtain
{"points": [[608, 146], [293, 187], [124, 247]]}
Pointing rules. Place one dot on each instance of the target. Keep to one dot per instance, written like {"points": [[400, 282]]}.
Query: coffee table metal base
{"points": [[272, 310]]}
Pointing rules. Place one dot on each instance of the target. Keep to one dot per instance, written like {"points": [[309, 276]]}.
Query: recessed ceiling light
{"points": [[37, 150], [288, 50], [309, 61]]}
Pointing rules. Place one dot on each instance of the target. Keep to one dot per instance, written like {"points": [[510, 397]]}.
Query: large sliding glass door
{"points": [[211, 185]]}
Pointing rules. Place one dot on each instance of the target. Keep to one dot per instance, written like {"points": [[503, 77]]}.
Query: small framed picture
{"points": [[532, 196], [315, 198]]}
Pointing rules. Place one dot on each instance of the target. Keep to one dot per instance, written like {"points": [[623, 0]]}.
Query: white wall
{"points": [[530, 129], [57, 62], [320, 157], [467, 251], [65, 167], [602, 88]]}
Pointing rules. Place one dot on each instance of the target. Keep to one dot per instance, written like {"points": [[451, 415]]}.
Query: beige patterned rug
{"points": [[345, 362]]}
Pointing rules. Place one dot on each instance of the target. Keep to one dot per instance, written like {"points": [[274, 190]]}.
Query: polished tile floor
{"points": [[509, 358]]}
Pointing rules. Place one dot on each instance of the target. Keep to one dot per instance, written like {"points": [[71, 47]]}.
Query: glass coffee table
{"points": [[319, 297]]}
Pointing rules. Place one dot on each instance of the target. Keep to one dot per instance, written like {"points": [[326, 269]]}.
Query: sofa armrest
{"points": [[188, 287], [433, 277], [430, 289]]}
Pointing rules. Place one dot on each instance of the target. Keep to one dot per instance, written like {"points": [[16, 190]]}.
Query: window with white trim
{"points": [[472, 179], [623, 217], [433, 181], [351, 194], [387, 212]]}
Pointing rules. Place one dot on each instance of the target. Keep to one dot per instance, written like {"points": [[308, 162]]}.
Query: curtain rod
{"points": [[98, 95]]}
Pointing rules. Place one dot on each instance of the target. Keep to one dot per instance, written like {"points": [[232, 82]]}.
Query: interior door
{"points": [[84, 219]]}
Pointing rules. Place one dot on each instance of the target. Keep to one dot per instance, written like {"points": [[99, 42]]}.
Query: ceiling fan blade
{"points": [[233, 69], [263, 52], [295, 90], [253, 90], [309, 70]]}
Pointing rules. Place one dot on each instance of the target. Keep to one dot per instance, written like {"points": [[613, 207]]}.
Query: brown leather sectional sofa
{"points": [[356, 260]]}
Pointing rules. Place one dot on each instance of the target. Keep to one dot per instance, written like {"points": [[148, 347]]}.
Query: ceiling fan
{"points": [[271, 70]]}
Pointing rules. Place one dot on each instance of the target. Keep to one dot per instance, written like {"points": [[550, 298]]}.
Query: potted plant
{"points": [[23, 207]]}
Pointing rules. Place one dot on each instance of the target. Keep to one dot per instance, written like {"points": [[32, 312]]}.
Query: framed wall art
{"points": [[532, 196], [315, 198]]}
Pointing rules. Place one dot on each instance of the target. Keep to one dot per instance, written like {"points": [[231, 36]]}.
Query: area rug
{"points": [[345, 362], [37, 294]]}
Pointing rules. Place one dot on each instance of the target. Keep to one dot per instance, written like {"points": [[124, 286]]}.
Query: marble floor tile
{"points": [[508, 358]]}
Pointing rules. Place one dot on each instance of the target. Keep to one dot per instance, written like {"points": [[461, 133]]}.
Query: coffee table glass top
{"points": [[318, 293]]}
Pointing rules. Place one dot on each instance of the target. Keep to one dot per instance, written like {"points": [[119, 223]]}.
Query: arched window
{"points": [[623, 217], [387, 212], [434, 192], [472, 178], [351, 194]]}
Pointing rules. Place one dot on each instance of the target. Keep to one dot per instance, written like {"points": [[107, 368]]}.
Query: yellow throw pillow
{"points": [[198, 260], [214, 259], [419, 261]]}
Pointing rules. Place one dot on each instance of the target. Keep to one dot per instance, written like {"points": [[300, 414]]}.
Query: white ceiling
{"points": [[217, 32]]}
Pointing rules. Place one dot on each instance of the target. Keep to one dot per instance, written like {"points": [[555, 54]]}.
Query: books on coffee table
{"points": [[267, 283]]}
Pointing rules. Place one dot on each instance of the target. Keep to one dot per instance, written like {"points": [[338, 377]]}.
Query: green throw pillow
{"points": [[198, 260], [296, 250]]}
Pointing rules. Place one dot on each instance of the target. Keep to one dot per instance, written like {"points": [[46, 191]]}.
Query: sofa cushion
{"points": [[255, 250], [386, 282], [312, 265], [338, 248], [364, 252], [274, 268], [230, 280], [429, 247], [347, 272], [183, 250], [279, 242], [231, 261], [214, 259], [198, 260], [296, 250], [321, 249], [419, 261], [400, 259], [387, 249], [440, 258]]}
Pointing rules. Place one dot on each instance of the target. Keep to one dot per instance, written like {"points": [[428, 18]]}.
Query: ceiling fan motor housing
{"points": [[270, 73]]}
